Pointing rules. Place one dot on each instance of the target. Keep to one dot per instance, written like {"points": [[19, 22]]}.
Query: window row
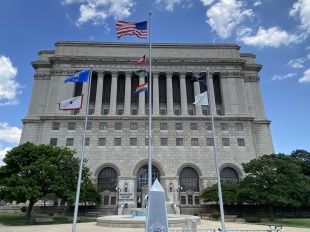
{"points": [[163, 142], [134, 126]]}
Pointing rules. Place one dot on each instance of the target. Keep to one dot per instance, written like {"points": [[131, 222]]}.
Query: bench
{"points": [[38, 220], [205, 215], [93, 214], [70, 219]]}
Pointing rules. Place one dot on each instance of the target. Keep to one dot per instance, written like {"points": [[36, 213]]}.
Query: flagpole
{"points": [[76, 206], [150, 113], [216, 157]]}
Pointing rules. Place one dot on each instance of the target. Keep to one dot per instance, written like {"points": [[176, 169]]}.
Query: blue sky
{"points": [[276, 31]]}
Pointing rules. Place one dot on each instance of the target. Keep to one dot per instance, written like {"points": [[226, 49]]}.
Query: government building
{"points": [[116, 144]]}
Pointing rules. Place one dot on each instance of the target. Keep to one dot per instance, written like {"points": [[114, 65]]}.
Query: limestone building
{"points": [[117, 130]]}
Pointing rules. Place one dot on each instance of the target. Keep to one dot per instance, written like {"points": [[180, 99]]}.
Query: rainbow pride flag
{"points": [[141, 88]]}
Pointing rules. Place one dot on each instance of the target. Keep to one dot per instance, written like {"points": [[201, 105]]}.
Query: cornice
{"points": [[233, 74], [42, 76], [251, 79]]}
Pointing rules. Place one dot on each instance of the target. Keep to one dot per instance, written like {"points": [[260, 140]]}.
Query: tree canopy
{"points": [[229, 192], [304, 157], [274, 180], [31, 172]]}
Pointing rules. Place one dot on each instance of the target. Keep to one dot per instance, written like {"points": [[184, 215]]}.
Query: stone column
{"points": [[196, 92], [155, 94], [85, 92], [184, 108], [98, 103], [142, 97], [169, 93], [127, 93], [113, 93], [211, 94]]}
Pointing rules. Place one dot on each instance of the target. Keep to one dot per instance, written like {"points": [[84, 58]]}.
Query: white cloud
{"points": [[279, 77], [97, 11], [244, 31], [296, 63], [207, 2], [9, 88], [9, 134], [272, 37], [225, 15], [3, 152], [169, 5], [301, 10], [306, 77], [257, 3]]}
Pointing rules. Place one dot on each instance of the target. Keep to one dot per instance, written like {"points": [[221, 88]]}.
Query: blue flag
{"points": [[81, 76]]}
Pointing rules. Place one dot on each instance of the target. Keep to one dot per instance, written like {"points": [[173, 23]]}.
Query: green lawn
{"points": [[11, 219], [290, 222]]}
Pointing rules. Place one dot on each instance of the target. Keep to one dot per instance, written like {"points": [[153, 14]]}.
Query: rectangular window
{"points": [[101, 142], [133, 126], [225, 142], [178, 126], [223, 126], [238, 127], [88, 127], [205, 112], [117, 142], [76, 112], [71, 125], [194, 141], [163, 126], [120, 112], [210, 142], [69, 142], [133, 141], [219, 112], [146, 141], [162, 112], [190, 199], [53, 141], [240, 142], [118, 126], [191, 112], [91, 111], [56, 126], [177, 112], [105, 112], [183, 200], [197, 200], [179, 141], [146, 126], [193, 126], [209, 126], [164, 142], [113, 200], [102, 126], [134, 112], [87, 140]]}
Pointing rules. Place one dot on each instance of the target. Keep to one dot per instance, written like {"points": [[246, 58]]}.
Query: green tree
{"points": [[304, 157], [229, 192], [33, 172], [274, 180]]}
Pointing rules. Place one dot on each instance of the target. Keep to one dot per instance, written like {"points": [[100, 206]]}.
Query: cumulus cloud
{"points": [[9, 88], [207, 2], [296, 63], [306, 76], [168, 4], [97, 11], [3, 151], [257, 3], [301, 10], [9, 134], [272, 37], [280, 77], [225, 15]]}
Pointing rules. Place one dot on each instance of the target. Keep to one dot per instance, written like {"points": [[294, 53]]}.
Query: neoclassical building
{"points": [[116, 143]]}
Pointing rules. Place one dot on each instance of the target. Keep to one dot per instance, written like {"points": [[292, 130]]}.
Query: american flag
{"points": [[128, 28], [141, 60]]}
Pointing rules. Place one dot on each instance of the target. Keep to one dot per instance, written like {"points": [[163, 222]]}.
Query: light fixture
{"points": [[170, 187], [126, 187]]}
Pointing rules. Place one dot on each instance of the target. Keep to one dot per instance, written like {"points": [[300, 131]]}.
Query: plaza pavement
{"points": [[92, 227]]}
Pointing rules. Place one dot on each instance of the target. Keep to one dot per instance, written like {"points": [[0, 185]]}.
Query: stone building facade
{"points": [[117, 131]]}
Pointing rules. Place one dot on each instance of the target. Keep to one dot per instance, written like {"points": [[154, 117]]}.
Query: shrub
{"points": [[23, 209], [252, 219], [215, 215]]}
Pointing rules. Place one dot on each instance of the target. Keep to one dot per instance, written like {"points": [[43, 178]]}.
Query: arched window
{"points": [[189, 180], [107, 180], [142, 177], [229, 175]]}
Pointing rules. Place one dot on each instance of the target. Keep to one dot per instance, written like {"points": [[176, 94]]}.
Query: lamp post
{"points": [[179, 190], [118, 190]]}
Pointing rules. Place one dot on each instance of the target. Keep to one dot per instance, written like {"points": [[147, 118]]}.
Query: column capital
{"points": [[182, 74], [114, 73], [155, 74], [128, 73], [100, 73], [169, 74]]}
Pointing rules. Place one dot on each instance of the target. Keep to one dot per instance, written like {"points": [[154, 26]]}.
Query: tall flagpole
{"points": [[216, 157], [150, 113], [77, 197]]}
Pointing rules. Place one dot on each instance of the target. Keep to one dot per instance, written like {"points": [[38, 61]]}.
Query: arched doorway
{"points": [[142, 183], [189, 186], [107, 183], [229, 175]]}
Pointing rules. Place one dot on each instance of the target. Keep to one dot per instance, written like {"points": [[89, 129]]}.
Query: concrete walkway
{"points": [[92, 227]]}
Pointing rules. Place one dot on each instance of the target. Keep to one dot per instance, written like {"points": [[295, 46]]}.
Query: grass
{"points": [[290, 222], [15, 219]]}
